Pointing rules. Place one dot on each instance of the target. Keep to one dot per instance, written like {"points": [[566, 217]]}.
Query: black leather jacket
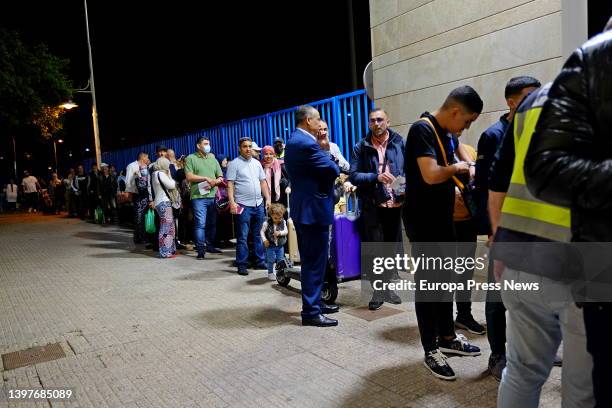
{"points": [[569, 162]]}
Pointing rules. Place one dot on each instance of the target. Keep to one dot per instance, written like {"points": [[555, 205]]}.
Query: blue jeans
{"points": [[274, 254], [204, 222], [537, 322], [249, 222]]}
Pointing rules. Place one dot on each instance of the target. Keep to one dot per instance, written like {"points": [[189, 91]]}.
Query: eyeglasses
{"points": [[377, 120]]}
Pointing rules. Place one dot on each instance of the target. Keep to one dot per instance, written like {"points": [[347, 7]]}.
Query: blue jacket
{"points": [[364, 163], [312, 174]]}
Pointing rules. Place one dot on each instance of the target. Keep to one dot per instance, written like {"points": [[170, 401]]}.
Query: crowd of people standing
{"points": [[439, 189]]}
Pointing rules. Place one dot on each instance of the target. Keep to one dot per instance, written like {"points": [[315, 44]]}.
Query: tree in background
{"points": [[32, 83], [48, 121]]}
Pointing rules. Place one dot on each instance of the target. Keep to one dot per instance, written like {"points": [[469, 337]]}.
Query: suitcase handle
{"points": [[355, 212]]}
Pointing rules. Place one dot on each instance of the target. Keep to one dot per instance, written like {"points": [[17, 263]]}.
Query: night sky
{"points": [[165, 69]]}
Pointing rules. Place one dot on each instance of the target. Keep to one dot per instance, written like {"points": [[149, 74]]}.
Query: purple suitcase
{"points": [[347, 243]]}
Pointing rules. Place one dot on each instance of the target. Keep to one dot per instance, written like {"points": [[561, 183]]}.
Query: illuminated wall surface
{"points": [[422, 49]]}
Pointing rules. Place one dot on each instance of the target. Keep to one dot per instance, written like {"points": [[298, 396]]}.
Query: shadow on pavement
{"points": [[289, 290], [258, 281], [404, 334], [411, 385], [118, 245], [246, 317], [206, 275], [127, 254], [102, 236]]}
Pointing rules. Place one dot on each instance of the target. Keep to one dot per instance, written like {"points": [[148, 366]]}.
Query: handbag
{"points": [[466, 187], [221, 199], [222, 205], [150, 222], [123, 197]]}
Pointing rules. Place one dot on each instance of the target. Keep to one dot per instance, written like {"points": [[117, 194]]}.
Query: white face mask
{"points": [[207, 149]]}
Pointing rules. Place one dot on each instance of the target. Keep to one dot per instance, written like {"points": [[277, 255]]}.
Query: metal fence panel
{"points": [[346, 116]]}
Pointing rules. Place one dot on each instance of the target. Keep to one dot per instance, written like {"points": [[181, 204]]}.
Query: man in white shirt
{"points": [[141, 198], [246, 182], [30, 190], [132, 170]]}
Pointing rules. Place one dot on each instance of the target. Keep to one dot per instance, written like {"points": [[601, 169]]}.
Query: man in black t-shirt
{"points": [[428, 219]]}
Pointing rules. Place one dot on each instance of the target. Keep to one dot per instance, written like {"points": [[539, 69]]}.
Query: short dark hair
{"points": [[244, 139], [378, 110], [467, 97], [140, 155], [201, 139], [517, 84], [302, 113]]}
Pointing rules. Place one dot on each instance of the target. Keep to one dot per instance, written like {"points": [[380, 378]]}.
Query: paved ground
{"points": [[143, 332]]}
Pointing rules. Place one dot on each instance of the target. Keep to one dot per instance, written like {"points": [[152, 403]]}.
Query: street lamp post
{"points": [[94, 109], [55, 142], [15, 158], [55, 153]]}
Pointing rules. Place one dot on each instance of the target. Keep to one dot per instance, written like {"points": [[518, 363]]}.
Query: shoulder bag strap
{"points": [[455, 179], [164, 188]]}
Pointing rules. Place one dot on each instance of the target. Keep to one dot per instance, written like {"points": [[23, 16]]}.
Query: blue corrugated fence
{"points": [[346, 116]]}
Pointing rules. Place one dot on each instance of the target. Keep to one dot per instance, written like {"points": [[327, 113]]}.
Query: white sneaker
{"points": [[272, 276]]}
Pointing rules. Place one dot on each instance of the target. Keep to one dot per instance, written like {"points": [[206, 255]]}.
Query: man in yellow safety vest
{"points": [[532, 265]]}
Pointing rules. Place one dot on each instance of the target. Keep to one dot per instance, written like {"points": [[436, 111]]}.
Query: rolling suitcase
{"points": [[292, 242], [346, 246]]}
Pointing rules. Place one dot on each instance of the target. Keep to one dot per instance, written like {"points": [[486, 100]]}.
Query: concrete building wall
{"points": [[424, 48]]}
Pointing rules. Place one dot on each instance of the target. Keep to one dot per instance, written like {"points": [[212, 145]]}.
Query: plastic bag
{"points": [[150, 222], [99, 215]]}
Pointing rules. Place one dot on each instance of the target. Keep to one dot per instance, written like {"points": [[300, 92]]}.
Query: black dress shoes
{"points": [[319, 321], [328, 309]]}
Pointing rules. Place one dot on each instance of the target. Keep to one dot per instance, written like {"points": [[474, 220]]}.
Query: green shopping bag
{"points": [[150, 222], [99, 216]]}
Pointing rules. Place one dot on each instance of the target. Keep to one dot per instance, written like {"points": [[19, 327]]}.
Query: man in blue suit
{"points": [[312, 174]]}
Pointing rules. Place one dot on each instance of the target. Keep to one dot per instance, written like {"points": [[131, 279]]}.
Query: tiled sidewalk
{"points": [[143, 332]]}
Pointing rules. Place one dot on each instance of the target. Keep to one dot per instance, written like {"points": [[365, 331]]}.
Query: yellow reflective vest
{"points": [[521, 211]]}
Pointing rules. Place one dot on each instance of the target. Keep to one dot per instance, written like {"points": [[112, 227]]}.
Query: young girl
{"points": [[274, 236]]}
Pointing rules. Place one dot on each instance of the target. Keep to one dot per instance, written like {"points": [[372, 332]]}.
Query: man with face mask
{"points": [[202, 170]]}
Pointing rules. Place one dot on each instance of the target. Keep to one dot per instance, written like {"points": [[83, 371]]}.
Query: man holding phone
{"points": [[246, 181]]}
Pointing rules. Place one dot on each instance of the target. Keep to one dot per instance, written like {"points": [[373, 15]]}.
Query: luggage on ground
{"points": [[346, 243]]}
